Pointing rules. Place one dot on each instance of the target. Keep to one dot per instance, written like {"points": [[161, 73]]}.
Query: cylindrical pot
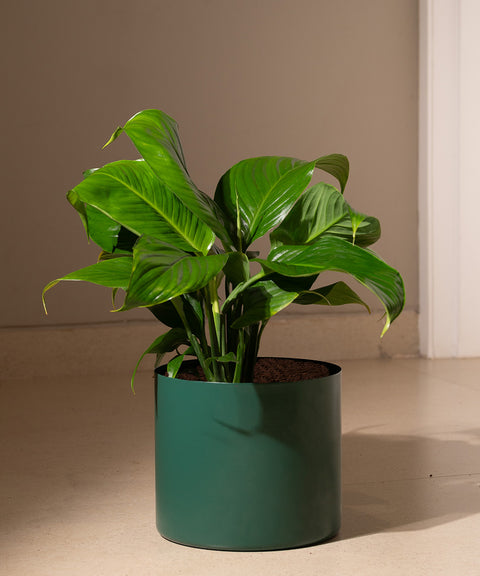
{"points": [[248, 466]]}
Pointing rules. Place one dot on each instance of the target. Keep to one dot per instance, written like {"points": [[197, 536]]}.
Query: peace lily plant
{"points": [[185, 256]]}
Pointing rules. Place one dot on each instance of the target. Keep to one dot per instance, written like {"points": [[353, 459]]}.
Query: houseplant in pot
{"points": [[244, 460]]}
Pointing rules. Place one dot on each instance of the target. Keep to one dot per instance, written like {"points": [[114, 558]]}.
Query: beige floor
{"points": [[77, 479]]}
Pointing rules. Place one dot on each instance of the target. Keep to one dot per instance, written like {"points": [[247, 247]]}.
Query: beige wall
{"points": [[241, 77]]}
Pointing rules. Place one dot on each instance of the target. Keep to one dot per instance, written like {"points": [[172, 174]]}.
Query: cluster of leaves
{"points": [[174, 250]]}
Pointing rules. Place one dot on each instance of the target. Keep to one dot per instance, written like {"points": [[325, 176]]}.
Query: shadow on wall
{"points": [[400, 483]]}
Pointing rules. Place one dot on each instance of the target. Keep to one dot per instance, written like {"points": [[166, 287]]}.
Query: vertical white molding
{"points": [[439, 177], [469, 215], [449, 190]]}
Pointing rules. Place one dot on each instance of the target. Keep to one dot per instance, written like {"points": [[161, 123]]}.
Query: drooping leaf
{"points": [[337, 165], [341, 256], [155, 135], [129, 193], [167, 342], [113, 273], [268, 296], [335, 294], [162, 272], [318, 209]]}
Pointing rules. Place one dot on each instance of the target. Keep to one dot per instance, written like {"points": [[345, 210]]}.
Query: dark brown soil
{"points": [[268, 370]]}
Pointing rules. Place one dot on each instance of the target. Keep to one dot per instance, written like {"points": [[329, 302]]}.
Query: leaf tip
{"points": [[385, 328], [113, 137]]}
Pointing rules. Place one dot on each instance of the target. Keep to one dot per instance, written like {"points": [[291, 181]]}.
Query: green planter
{"points": [[248, 466]]}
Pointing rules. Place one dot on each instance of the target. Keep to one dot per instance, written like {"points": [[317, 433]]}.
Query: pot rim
{"points": [[334, 369]]}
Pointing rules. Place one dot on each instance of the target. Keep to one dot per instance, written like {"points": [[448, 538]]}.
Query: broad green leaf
{"points": [[257, 193], [335, 294], [167, 342], [162, 272], [129, 193], [108, 234], [155, 135], [318, 209], [268, 296], [341, 256], [113, 273]]}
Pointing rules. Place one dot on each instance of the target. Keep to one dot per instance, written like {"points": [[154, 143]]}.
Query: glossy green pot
{"points": [[248, 466]]}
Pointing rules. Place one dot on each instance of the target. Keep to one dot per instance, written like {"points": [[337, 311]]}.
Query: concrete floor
{"points": [[77, 498]]}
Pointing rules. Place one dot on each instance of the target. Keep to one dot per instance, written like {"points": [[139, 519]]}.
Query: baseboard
{"points": [[116, 347]]}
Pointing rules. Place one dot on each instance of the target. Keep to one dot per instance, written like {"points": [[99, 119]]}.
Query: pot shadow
{"points": [[399, 483]]}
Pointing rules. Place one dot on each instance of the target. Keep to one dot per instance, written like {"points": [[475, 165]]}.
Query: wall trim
{"points": [[449, 123]]}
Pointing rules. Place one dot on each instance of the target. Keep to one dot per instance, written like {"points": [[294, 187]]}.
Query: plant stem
{"points": [[237, 377], [213, 317], [178, 303]]}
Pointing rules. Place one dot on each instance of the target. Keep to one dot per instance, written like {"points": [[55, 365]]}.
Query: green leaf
{"points": [[167, 342], [168, 315], [108, 234], [174, 365], [317, 210], [337, 165], [113, 273], [356, 218], [155, 135], [367, 230], [268, 296], [162, 272], [229, 357], [322, 211], [237, 268], [240, 288], [335, 294], [341, 256], [256, 193], [129, 193]]}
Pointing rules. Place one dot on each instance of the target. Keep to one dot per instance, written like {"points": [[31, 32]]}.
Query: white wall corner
{"points": [[449, 195]]}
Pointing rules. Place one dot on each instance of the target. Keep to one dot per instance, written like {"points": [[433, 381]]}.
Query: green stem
{"points": [[237, 377], [178, 303], [213, 318]]}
